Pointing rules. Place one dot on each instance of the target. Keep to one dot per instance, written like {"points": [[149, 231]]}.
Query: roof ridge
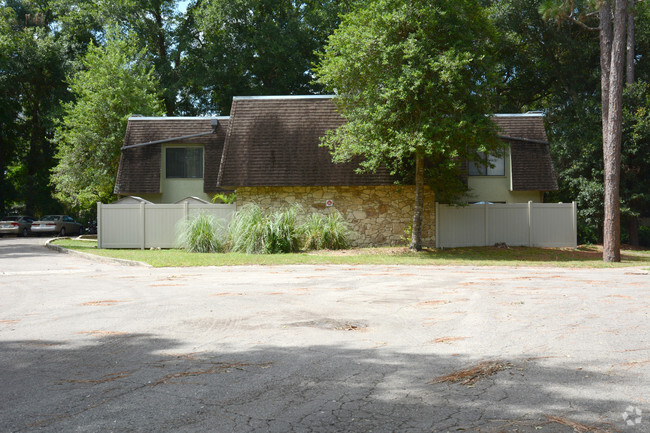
{"points": [[280, 97]]}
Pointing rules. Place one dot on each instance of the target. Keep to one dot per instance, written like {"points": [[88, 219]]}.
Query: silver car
{"points": [[57, 224], [18, 225]]}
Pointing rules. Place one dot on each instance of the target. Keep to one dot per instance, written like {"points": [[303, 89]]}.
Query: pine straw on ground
{"points": [[580, 428], [469, 376]]}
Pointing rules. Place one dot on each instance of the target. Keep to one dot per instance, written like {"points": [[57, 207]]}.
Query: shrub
{"points": [[253, 232], [225, 198], [281, 232], [644, 236], [325, 232], [201, 234]]}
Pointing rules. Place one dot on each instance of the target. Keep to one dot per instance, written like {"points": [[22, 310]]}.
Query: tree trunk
{"points": [[416, 236], [630, 53], [612, 143], [605, 61]]}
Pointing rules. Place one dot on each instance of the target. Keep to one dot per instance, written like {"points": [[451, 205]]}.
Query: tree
{"points": [[115, 83], [256, 47], [413, 81], [33, 63], [153, 26], [612, 28]]}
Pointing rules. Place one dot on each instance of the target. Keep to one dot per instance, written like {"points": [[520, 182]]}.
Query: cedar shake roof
{"points": [[532, 166], [140, 167], [274, 141]]}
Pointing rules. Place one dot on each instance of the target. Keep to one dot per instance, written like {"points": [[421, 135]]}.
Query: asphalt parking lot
{"points": [[87, 346]]}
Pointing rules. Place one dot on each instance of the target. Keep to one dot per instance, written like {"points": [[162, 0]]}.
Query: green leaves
{"points": [[410, 75], [257, 47], [114, 84]]}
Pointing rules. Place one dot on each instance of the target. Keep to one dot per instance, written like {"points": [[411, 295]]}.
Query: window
{"points": [[488, 166], [184, 162]]}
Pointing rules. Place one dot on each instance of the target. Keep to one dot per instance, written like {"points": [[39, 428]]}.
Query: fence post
{"points": [[142, 226], [99, 224], [486, 224], [575, 224], [530, 223]]}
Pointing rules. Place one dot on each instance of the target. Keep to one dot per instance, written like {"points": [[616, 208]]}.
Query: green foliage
{"points": [[644, 236], [256, 47], [412, 78], [225, 198], [635, 164], [254, 232], [33, 64], [329, 232], [114, 84], [408, 234], [201, 234]]}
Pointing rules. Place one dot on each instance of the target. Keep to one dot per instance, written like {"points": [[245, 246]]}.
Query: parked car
{"points": [[19, 225], [57, 224]]}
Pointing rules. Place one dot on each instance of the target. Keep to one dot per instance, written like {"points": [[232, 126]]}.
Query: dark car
{"points": [[57, 224], [19, 225]]}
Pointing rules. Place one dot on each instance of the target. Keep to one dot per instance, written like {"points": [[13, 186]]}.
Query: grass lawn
{"points": [[584, 256]]}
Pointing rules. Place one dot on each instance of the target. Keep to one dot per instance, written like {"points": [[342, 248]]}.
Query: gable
{"points": [[531, 162], [274, 141], [140, 167]]}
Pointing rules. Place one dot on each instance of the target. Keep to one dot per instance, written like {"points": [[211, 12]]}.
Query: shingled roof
{"points": [[140, 167], [274, 141], [532, 166]]}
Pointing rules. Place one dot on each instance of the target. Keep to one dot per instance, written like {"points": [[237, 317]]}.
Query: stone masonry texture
{"points": [[378, 215]]}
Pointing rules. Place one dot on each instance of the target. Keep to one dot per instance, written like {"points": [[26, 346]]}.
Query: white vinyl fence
{"points": [[518, 224], [146, 225]]}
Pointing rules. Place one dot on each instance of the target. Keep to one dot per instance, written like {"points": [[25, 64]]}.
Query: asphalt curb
{"points": [[48, 244]]}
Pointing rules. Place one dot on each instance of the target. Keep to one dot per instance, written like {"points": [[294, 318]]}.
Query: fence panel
{"points": [[460, 226], [553, 225], [118, 226], [149, 225], [508, 223], [517, 224]]}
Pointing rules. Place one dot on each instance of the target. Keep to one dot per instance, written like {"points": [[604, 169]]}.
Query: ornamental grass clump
{"points": [[254, 232], [329, 232], [281, 233], [201, 234]]}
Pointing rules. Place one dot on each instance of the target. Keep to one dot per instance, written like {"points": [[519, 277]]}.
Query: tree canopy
{"points": [[204, 55], [414, 82], [114, 84]]}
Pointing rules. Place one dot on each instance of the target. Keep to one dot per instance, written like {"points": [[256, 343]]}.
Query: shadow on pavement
{"points": [[125, 382]]}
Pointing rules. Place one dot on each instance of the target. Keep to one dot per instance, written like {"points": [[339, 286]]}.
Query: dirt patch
{"points": [[105, 303], [333, 324], [469, 376], [447, 339], [96, 333]]}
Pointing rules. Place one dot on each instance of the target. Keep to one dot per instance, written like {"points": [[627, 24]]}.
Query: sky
{"points": [[182, 5]]}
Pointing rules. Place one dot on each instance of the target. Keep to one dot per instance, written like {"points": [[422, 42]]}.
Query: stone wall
{"points": [[379, 215]]}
